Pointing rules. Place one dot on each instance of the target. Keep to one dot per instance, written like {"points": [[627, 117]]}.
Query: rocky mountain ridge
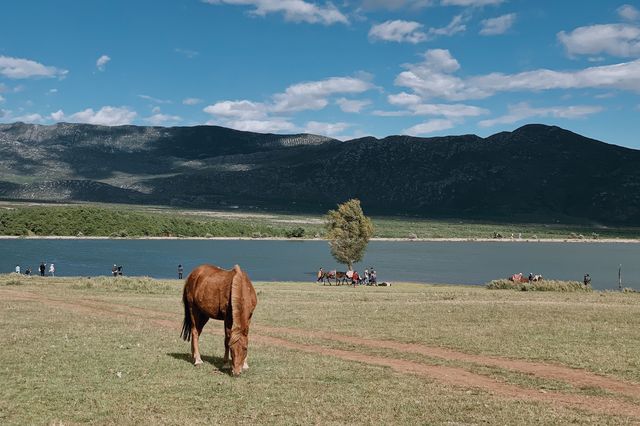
{"points": [[537, 171]]}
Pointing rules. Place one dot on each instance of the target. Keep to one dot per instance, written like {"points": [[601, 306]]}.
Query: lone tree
{"points": [[348, 232]]}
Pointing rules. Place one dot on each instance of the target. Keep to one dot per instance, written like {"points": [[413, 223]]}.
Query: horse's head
{"points": [[243, 302], [238, 351]]}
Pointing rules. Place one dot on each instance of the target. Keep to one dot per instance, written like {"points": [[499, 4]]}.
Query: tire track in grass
{"points": [[452, 376], [576, 377]]}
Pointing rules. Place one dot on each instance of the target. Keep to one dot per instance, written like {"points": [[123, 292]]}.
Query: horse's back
{"points": [[209, 289]]}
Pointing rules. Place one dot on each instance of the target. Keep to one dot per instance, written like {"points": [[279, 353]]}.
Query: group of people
{"points": [[42, 269], [519, 278], [369, 277]]}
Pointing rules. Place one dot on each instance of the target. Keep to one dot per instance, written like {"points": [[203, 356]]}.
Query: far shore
{"points": [[408, 240]]}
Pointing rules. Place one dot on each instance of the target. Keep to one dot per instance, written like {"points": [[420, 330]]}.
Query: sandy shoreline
{"points": [[408, 240]]}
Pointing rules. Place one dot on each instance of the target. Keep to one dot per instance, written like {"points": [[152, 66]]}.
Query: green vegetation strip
{"points": [[96, 221], [106, 363], [104, 220]]}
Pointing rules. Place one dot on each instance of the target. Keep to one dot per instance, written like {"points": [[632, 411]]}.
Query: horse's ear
{"points": [[243, 302]]}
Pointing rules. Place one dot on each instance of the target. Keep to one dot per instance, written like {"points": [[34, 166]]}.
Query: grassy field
{"points": [[104, 351], [23, 219]]}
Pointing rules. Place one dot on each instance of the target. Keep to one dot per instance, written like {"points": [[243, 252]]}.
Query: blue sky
{"points": [[343, 69]]}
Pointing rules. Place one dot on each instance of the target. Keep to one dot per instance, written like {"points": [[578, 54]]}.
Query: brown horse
{"points": [[229, 296]]}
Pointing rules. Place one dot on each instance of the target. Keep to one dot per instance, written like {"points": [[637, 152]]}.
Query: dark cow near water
{"points": [[229, 296]]}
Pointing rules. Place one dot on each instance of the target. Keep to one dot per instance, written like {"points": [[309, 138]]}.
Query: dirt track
{"points": [[626, 403]]}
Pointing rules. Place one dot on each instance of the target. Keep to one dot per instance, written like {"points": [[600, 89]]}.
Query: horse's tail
{"points": [[186, 325]]}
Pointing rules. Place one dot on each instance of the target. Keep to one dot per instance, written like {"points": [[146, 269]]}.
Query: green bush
{"points": [[545, 285], [295, 233]]}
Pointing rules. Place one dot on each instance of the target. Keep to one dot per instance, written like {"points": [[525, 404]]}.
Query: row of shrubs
{"points": [[108, 222], [545, 285]]}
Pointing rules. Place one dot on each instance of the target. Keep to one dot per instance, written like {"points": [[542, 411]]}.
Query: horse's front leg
{"points": [[226, 364]]}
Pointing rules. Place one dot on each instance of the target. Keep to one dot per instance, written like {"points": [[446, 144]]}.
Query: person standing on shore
{"points": [[42, 269], [17, 269], [52, 270], [114, 270], [180, 271]]}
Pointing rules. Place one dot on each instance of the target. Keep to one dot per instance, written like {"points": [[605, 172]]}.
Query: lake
{"points": [[265, 260]]}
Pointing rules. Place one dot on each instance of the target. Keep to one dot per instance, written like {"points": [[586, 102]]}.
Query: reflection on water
{"points": [[432, 262]]}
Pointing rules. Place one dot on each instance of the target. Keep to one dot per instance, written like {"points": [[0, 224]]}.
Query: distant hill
{"points": [[536, 172]]}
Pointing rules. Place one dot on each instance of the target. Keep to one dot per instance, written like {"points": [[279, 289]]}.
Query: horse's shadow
{"points": [[214, 360]]}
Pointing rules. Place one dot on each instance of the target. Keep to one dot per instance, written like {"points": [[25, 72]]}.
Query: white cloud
{"points": [[415, 106], [160, 119], [262, 126], [192, 101], [523, 111], [106, 116], [29, 118], [398, 31], [326, 129], [434, 78], [155, 100], [270, 116], [448, 110], [404, 99], [1, 99], [628, 12], [381, 113], [293, 10], [471, 3], [351, 105], [440, 60], [238, 110], [25, 68], [499, 25], [430, 126], [313, 95], [621, 40], [454, 27], [102, 61], [58, 115], [395, 4]]}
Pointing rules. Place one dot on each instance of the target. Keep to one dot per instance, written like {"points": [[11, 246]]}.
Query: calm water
{"points": [[433, 262]]}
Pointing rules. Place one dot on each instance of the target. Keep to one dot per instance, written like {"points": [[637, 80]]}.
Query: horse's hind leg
{"points": [[198, 320]]}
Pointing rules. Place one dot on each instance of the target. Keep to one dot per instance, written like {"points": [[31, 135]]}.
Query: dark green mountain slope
{"points": [[536, 171]]}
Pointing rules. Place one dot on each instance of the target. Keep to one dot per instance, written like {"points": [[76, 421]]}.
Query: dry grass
{"points": [[106, 366]]}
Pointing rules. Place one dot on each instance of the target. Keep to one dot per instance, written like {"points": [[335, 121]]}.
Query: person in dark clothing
{"points": [[42, 268], [180, 271], [587, 280]]}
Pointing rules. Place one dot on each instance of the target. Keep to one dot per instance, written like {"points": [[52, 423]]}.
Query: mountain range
{"points": [[536, 172]]}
